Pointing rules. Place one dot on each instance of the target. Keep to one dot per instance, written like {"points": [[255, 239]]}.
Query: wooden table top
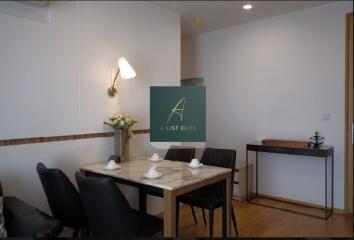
{"points": [[175, 174]]}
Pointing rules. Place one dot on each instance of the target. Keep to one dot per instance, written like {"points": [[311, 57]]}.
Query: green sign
{"points": [[177, 114]]}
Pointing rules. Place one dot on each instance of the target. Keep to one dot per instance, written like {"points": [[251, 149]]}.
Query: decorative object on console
{"points": [[122, 125], [286, 143], [316, 140], [126, 72]]}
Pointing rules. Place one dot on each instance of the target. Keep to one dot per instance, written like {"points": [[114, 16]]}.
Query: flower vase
{"points": [[121, 145]]}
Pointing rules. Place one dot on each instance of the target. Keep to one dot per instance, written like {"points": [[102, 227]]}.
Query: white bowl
{"points": [[154, 159], [195, 166], [153, 177], [112, 169]]}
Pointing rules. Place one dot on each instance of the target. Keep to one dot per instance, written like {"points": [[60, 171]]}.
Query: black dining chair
{"points": [[23, 221], [109, 213], [181, 154], [211, 197], [63, 199]]}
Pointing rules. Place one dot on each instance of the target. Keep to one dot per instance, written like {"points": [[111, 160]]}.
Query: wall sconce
{"points": [[126, 72]]}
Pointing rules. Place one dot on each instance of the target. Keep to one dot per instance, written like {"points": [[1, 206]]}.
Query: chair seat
{"points": [[23, 220], [63, 198], [148, 225], [208, 197]]}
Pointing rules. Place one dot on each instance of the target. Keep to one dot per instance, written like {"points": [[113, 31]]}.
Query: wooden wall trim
{"points": [[32, 140], [141, 131]]}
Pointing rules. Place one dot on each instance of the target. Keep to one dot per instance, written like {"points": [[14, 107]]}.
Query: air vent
{"points": [[35, 10], [41, 3]]}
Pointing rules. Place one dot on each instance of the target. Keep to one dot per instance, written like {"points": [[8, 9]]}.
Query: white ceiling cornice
{"points": [[222, 14]]}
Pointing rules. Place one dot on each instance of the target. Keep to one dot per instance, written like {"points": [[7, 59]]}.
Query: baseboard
{"points": [[306, 204]]}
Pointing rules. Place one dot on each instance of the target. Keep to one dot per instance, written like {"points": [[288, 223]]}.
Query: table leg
{"points": [[226, 208], [256, 173], [229, 203], [246, 175], [326, 187], [169, 214], [142, 200], [332, 185]]}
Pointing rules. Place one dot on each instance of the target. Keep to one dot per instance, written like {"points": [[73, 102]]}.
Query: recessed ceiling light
{"points": [[199, 22], [247, 6]]}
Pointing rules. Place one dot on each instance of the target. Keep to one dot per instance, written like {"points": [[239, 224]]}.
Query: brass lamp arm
{"points": [[115, 77], [112, 91]]}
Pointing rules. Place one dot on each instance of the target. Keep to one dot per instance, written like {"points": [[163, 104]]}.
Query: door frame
{"points": [[348, 127]]}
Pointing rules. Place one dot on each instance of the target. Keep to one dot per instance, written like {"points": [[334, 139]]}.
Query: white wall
{"points": [[275, 78], [189, 63], [54, 77]]}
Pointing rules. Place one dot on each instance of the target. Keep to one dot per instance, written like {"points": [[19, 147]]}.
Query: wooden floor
{"points": [[258, 221]]}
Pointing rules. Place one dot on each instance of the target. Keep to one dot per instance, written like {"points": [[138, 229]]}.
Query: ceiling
{"points": [[222, 14]]}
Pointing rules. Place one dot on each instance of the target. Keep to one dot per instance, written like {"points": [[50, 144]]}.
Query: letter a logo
{"points": [[178, 109]]}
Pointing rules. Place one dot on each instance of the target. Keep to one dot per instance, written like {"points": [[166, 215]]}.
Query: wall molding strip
{"points": [[32, 140]]}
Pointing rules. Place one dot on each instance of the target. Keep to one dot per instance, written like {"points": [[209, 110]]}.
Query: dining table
{"points": [[176, 178]]}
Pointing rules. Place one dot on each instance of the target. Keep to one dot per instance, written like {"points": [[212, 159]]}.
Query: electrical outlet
{"points": [[326, 117]]}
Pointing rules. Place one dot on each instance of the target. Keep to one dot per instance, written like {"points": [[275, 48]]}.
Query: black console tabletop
{"points": [[323, 151]]}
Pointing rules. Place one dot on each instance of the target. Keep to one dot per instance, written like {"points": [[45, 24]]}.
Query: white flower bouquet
{"points": [[122, 122]]}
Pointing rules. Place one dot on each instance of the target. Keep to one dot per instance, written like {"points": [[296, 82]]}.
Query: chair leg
{"points": [[76, 232], [211, 222], [194, 216], [204, 219], [177, 217], [234, 222]]}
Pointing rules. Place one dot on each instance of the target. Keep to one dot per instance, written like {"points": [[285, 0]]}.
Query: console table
{"points": [[324, 152]]}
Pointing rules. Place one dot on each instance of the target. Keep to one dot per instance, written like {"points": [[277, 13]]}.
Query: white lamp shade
{"points": [[126, 70]]}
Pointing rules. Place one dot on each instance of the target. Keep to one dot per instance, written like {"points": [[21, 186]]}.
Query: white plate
{"points": [[111, 169], [156, 177], [194, 167], [154, 160]]}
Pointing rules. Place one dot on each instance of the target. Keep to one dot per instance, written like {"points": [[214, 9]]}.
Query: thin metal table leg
{"points": [[332, 184], [326, 187], [246, 175], [256, 173]]}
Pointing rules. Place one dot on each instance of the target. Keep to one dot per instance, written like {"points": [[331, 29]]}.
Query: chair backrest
{"points": [[108, 212], [225, 158], [63, 198], [180, 154]]}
